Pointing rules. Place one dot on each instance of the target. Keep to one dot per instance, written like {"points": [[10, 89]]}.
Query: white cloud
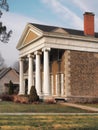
{"points": [[88, 6], [71, 18], [81, 4], [65, 13], [62, 11], [16, 23]]}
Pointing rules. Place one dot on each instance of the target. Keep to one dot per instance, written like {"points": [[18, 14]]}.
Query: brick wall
{"points": [[89, 24], [83, 74]]}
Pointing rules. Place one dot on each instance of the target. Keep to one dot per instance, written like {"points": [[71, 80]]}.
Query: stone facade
{"points": [[80, 71], [83, 73]]}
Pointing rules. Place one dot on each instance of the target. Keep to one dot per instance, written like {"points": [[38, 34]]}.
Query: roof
{"points": [[4, 71], [48, 28]]}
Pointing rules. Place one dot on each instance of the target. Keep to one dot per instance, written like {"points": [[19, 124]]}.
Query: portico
{"points": [[46, 80], [36, 50]]}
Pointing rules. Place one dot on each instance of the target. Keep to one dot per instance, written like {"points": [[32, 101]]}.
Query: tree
{"points": [[11, 88], [33, 95], [4, 35]]}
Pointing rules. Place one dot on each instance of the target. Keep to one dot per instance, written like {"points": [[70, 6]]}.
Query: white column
{"points": [[22, 86], [62, 84], [30, 72], [38, 73], [46, 80]]}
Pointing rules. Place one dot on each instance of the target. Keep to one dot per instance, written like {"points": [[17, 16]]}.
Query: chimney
{"points": [[89, 24]]}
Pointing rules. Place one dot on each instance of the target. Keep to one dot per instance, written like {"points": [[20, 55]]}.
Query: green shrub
{"points": [[11, 88], [33, 97]]}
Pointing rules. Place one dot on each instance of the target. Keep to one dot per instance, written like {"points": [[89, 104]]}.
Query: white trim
{"points": [[27, 28], [56, 82], [59, 84], [62, 84], [58, 93], [51, 84], [37, 45], [70, 44]]}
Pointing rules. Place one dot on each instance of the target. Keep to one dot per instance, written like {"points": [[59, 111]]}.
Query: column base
{"points": [[21, 93], [47, 99], [28, 93]]}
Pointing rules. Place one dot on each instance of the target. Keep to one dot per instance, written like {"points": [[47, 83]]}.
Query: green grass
{"points": [[92, 105], [45, 122], [49, 122], [37, 108]]}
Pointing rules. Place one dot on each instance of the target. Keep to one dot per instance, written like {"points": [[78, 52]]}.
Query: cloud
{"points": [[16, 23], [88, 6], [71, 16], [65, 13], [67, 16], [82, 5]]}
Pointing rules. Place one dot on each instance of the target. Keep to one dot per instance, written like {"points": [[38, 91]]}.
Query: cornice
{"points": [[71, 37]]}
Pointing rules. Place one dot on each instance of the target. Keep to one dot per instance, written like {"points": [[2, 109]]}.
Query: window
{"points": [[59, 84], [51, 84]]}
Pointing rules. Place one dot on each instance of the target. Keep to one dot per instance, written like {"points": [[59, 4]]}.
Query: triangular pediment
{"points": [[60, 30], [29, 35]]}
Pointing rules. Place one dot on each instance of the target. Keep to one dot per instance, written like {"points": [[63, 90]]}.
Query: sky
{"points": [[62, 13]]}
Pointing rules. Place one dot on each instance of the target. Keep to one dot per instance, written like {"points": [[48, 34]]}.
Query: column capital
{"points": [[30, 56], [21, 59], [37, 52], [46, 49]]}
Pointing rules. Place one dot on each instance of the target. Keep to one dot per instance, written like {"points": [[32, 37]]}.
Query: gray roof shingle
{"points": [[48, 28], [4, 71]]}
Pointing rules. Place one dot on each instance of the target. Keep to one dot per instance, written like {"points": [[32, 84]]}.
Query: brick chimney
{"points": [[89, 24]]}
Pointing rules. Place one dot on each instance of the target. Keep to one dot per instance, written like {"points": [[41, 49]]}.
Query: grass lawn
{"points": [[45, 122], [11, 107], [49, 122], [92, 105]]}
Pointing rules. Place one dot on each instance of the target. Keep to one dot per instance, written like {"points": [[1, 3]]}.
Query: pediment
{"points": [[60, 30], [29, 35]]}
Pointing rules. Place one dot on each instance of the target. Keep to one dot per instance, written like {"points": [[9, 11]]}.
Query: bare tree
{"points": [[4, 35]]}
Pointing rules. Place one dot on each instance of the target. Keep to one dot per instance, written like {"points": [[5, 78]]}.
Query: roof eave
{"points": [[70, 36]]}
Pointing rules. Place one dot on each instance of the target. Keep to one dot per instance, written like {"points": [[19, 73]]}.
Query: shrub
{"points": [[33, 97], [50, 101], [11, 88], [20, 99], [6, 98]]}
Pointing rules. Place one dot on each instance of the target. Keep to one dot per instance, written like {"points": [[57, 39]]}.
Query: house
{"points": [[7, 75], [62, 62]]}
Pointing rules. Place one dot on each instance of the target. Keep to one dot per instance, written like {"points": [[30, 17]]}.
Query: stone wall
{"points": [[67, 73], [83, 74]]}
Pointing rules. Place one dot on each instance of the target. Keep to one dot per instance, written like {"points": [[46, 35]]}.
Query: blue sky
{"points": [[64, 13]]}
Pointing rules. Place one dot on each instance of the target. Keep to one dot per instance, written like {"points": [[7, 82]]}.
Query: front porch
{"points": [[44, 70]]}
